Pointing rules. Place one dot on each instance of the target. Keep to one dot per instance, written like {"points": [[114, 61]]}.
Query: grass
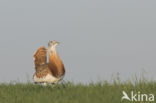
{"points": [[101, 92]]}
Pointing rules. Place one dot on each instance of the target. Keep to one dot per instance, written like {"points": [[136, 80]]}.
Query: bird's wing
{"points": [[40, 57]]}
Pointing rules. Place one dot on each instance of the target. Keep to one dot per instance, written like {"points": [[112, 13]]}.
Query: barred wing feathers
{"points": [[40, 57]]}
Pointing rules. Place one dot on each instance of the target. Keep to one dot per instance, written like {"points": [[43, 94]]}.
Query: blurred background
{"points": [[99, 38]]}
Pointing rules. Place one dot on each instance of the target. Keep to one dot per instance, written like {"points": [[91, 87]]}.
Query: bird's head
{"points": [[52, 43]]}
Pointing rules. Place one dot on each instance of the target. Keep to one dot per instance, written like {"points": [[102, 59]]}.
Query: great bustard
{"points": [[51, 72]]}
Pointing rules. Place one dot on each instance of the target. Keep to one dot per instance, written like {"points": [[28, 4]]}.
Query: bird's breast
{"points": [[48, 78]]}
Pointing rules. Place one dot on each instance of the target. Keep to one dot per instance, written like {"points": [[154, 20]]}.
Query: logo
{"points": [[137, 97]]}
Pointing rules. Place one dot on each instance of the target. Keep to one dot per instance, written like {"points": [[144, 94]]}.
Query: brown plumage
{"points": [[40, 57], [55, 64], [51, 72]]}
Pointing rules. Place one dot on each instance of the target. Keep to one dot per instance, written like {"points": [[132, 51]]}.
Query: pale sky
{"points": [[99, 38]]}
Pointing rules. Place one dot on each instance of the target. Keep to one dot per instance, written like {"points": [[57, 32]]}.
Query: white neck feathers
{"points": [[52, 49]]}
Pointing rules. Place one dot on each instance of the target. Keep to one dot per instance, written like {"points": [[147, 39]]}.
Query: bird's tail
{"points": [[40, 57]]}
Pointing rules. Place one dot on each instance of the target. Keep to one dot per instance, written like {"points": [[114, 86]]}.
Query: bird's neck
{"points": [[52, 49], [55, 62], [53, 56]]}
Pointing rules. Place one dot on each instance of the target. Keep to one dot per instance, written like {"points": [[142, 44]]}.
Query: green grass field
{"points": [[102, 92]]}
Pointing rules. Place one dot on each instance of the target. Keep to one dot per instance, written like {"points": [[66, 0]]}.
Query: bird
{"points": [[48, 73], [125, 96]]}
